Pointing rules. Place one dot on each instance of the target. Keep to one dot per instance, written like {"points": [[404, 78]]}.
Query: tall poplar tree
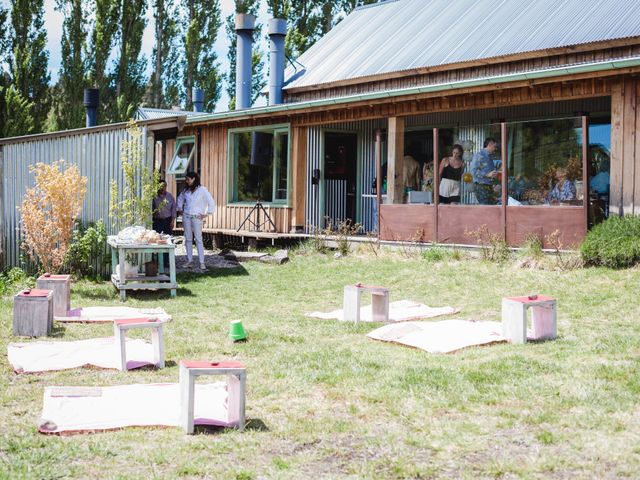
{"points": [[4, 63], [106, 15], [257, 65], [29, 74], [68, 108], [164, 83], [129, 72], [201, 21]]}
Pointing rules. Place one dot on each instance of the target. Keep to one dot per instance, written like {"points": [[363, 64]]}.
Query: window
{"points": [[545, 162], [183, 156], [260, 164]]}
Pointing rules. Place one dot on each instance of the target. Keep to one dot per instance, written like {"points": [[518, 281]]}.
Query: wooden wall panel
{"points": [[298, 176], [214, 176], [454, 221], [541, 221], [414, 223], [625, 147]]}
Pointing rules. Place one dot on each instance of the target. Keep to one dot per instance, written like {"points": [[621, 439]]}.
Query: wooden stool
{"points": [[121, 326], [61, 286], [543, 318], [33, 313], [379, 302], [236, 383]]}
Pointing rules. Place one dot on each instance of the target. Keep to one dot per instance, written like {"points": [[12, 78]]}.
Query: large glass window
{"points": [[545, 162], [260, 162]]}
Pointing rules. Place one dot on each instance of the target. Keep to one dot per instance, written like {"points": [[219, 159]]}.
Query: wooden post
{"points": [[33, 313], [585, 171], [436, 181], [504, 183], [617, 108], [395, 161], [298, 179], [378, 157]]}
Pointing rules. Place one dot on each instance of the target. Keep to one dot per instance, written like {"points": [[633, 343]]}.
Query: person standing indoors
{"points": [[195, 203], [484, 173], [451, 169], [164, 214]]}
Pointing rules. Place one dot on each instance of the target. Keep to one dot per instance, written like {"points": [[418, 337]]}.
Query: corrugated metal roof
{"points": [[144, 113], [400, 35]]}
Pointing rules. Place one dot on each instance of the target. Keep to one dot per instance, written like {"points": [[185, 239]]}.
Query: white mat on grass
{"points": [[86, 409], [399, 311], [109, 314], [98, 352], [441, 337]]}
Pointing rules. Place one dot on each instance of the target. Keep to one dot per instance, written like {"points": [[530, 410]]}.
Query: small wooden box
{"points": [[61, 286], [33, 313]]}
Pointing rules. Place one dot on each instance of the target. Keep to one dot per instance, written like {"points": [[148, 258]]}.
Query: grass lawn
{"points": [[326, 402]]}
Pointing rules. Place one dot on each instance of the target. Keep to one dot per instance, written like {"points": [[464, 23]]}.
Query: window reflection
{"points": [[545, 162]]}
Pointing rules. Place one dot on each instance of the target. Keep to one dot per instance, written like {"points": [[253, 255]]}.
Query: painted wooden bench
{"points": [[119, 331], [379, 302], [543, 318], [236, 374]]}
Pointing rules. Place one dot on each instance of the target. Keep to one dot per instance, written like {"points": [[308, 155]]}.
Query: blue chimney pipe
{"points": [[198, 99], [245, 23], [91, 102], [277, 34]]}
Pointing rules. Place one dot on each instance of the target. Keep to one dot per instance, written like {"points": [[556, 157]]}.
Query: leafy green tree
{"points": [[68, 105], [106, 15], [19, 113], [5, 80], [201, 21], [29, 61], [257, 64], [164, 84], [129, 73]]}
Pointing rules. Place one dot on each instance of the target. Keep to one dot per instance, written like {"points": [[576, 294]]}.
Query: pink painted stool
{"points": [[543, 318], [236, 384], [379, 302]]}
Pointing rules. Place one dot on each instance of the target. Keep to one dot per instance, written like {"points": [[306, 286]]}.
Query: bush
{"points": [[88, 250], [435, 254], [12, 278], [615, 243]]}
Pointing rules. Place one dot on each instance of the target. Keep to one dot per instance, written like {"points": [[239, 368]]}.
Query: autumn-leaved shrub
{"points": [[49, 211]]}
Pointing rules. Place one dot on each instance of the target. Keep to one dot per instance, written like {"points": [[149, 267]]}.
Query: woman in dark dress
{"points": [[451, 169]]}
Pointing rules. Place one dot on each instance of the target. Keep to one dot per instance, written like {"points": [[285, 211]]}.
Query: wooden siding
{"points": [[625, 147], [448, 74]]}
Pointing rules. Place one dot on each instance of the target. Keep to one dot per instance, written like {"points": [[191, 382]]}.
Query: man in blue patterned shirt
{"points": [[484, 173]]}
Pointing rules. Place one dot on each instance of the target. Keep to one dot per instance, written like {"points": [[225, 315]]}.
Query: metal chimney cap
{"points": [[277, 26], [198, 94], [245, 21], [91, 97]]}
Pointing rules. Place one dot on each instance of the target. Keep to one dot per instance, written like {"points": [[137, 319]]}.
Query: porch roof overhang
{"points": [[614, 66]]}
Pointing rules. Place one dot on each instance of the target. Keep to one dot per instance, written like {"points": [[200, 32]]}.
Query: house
{"points": [[394, 86], [357, 127]]}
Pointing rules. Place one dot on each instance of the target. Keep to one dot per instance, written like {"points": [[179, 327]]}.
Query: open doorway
{"points": [[340, 177]]}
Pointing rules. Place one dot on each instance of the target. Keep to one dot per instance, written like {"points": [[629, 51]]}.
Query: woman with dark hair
{"points": [[195, 203], [451, 169]]}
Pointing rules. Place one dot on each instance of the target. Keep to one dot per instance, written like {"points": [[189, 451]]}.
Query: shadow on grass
{"points": [[58, 330], [238, 271], [155, 295], [98, 293], [254, 424]]}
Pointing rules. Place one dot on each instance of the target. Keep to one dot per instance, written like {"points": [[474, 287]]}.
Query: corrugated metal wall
{"points": [[366, 171], [97, 155]]}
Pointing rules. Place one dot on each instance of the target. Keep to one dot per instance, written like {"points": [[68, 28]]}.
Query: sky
{"points": [[53, 24]]}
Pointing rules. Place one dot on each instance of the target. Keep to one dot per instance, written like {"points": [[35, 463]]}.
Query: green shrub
{"points": [[435, 254], [88, 250], [14, 279], [615, 243]]}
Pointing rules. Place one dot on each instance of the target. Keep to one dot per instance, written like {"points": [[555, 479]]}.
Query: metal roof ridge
{"points": [[373, 5], [613, 64]]}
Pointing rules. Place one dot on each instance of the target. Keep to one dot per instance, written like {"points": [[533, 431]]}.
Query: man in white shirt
{"points": [[195, 203]]}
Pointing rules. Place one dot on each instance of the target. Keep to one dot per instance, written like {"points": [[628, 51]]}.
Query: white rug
{"points": [[441, 337], [97, 352], [89, 409], [109, 314], [399, 311]]}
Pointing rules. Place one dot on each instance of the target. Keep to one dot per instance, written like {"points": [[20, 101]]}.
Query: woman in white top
{"points": [[195, 203]]}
